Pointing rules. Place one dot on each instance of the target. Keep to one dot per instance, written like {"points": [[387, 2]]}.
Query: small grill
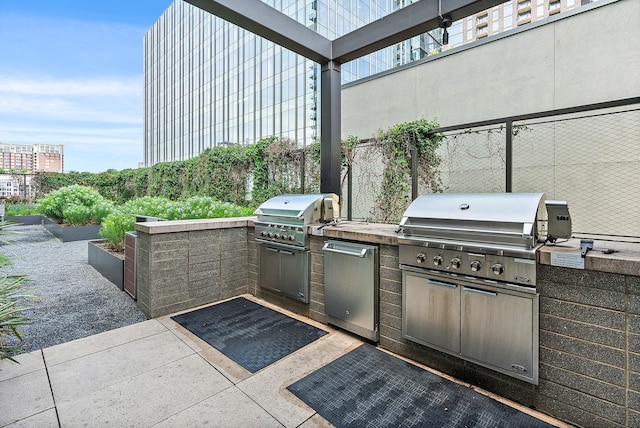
{"points": [[282, 230], [469, 276]]}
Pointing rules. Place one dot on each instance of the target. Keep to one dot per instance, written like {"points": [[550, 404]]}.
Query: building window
{"points": [[554, 5], [524, 15]]}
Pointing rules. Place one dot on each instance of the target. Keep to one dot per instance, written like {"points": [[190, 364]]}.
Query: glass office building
{"points": [[208, 82]]}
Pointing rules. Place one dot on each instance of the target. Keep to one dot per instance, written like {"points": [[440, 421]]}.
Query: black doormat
{"points": [[369, 388], [250, 334]]}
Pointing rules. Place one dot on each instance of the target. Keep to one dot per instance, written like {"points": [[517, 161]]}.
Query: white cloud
{"points": [[110, 100], [108, 86]]}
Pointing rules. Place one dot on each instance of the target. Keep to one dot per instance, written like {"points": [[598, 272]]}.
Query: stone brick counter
{"points": [[589, 313], [184, 264]]}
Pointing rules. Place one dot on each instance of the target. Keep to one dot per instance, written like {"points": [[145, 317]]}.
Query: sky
{"points": [[71, 73]]}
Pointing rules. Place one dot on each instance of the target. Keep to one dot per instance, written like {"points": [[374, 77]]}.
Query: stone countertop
{"points": [[374, 233], [174, 226], [606, 256]]}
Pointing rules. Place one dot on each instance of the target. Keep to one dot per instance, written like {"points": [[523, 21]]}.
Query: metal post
{"points": [[302, 171], [330, 113], [414, 172], [350, 193], [509, 157]]}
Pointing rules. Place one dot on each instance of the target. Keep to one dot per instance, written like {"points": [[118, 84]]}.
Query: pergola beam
{"points": [[271, 24], [410, 21]]}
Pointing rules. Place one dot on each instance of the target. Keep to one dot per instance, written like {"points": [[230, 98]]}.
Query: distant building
{"points": [[20, 158]]}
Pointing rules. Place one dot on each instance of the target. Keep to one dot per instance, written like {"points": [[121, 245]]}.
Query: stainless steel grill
{"points": [[469, 276], [282, 230], [491, 236]]}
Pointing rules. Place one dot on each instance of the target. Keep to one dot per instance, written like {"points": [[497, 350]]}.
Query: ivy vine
{"points": [[396, 144]]}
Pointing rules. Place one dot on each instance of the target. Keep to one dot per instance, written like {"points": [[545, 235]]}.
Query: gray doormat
{"points": [[369, 388], [250, 334]]}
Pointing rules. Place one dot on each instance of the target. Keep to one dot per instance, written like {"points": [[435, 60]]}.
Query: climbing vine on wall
{"points": [[396, 145]]}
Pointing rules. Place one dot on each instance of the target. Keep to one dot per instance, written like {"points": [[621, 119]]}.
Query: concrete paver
{"points": [[157, 374], [34, 396]]}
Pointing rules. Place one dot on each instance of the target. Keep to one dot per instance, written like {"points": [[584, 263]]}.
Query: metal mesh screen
{"points": [[473, 161], [591, 162], [589, 159]]}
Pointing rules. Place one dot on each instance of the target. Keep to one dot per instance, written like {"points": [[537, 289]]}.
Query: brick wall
{"points": [[182, 270], [589, 345]]}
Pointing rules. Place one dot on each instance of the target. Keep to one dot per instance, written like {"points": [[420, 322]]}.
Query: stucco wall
{"points": [[586, 57]]}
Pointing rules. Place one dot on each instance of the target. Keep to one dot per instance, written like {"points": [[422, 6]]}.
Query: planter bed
{"points": [[25, 220], [71, 233], [110, 265]]}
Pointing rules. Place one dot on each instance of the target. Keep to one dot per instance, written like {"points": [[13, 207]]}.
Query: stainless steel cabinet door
{"points": [[285, 270], [497, 329], [431, 312], [294, 274], [269, 271], [350, 286]]}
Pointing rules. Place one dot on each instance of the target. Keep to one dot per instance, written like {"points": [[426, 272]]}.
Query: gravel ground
{"points": [[73, 299]]}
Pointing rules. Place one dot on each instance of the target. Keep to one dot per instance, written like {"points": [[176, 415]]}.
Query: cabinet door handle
{"points": [[361, 254], [483, 292], [271, 249], [441, 284], [288, 253]]}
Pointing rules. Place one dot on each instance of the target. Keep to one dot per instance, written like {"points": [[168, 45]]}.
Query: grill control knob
{"points": [[270, 235], [263, 233], [497, 269], [291, 237], [437, 260], [476, 266], [276, 235], [455, 263], [421, 258]]}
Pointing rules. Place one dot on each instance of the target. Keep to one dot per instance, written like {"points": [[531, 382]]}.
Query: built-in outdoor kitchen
{"points": [[485, 288]]}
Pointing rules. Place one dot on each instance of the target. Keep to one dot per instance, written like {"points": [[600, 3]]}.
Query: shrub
{"points": [[76, 215], [122, 220], [19, 208], [81, 205], [114, 226]]}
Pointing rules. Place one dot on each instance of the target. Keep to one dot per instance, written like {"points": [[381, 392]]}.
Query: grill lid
{"points": [[498, 219], [308, 208]]}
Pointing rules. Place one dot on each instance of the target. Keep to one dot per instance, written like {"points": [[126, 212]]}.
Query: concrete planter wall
{"points": [[25, 220], [109, 265], [71, 233]]}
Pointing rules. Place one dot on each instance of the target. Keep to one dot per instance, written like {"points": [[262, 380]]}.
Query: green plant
{"points": [[114, 226], [4, 260], [11, 294], [75, 204], [398, 145], [122, 219], [19, 208], [76, 215]]}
